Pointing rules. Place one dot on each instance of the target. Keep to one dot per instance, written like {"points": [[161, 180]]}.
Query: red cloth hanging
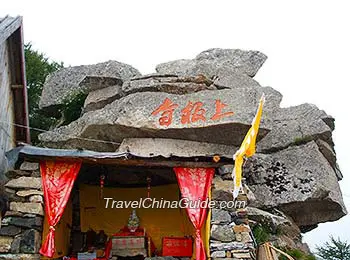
{"points": [[194, 185], [57, 178]]}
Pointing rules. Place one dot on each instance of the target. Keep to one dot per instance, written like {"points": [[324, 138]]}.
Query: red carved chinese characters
{"points": [[192, 113], [167, 110], [219, 106]]}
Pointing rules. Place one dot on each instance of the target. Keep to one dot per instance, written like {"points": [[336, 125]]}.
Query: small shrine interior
{"points": [[99, 224]]}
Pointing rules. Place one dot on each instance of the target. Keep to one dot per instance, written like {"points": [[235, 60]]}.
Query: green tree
{"points": [[334, 250], [38, 67]]}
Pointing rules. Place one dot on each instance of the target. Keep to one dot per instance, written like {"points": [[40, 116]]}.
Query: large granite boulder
{"points": [[155, 147], [235, 80], [149, 83], [221, 117], [298, 125], [283, 232], [216, 62], [298, 180], [66, 83], [101, 97], [168, 83], [201, 107], [272, 222]]}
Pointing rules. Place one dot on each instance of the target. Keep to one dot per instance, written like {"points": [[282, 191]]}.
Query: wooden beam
{"points": [[8, 26], [15, 45], [17, 86], [134, 162]]}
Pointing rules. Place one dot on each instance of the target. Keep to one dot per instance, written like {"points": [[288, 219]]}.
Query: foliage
{"points": [[38, 67], [72, 106], [334, 250], [261, 234], [296, 254], [302, 140]]}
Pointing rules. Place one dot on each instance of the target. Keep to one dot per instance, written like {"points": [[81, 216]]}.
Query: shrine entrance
{"points": [[100, 215]]}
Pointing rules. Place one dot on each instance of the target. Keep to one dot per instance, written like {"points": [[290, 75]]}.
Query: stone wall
{"points": [[231, 233], [21, 227], [232, 227], [230, 236]]}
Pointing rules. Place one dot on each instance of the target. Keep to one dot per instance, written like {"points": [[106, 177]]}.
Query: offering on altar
{"points": [[133, 222]]}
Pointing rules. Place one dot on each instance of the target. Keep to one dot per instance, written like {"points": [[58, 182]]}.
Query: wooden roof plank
{"points": [[33, 153], [8, 26]]}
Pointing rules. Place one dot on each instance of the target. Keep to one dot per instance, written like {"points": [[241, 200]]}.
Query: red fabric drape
{"points": [[57, 179], [194, 185]]}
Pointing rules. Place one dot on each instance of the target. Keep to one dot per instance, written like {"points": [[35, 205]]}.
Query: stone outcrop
{"points": [[100, 98], [171, 84], [283, 232], [67, 82], [235, 80], [298, 125], [154, 147], [200, 107], [300, 181], [216, 62], [142, 115]]}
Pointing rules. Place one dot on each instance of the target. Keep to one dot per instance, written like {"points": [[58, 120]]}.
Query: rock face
{"points": [[99, 98], [168, 83], [219, 117], [297, 125], [154, 147], [216, 62], [66, 83], [198, 107], [235, 80], [300, 181]]}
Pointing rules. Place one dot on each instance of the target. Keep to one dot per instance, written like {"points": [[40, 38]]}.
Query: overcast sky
{"points": [[307, 43]]}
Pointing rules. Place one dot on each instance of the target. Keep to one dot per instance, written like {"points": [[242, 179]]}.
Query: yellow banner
{"points": [[247, 149]]}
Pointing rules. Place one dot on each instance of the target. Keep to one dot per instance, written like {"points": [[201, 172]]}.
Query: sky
{"points": [[307, 44]]}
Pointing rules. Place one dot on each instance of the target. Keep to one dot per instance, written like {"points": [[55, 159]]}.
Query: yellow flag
{"points": [[247, 149]]}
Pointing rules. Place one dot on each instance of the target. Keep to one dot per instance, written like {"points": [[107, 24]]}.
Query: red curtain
{"points": [[194, 185], [57, 178]]}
